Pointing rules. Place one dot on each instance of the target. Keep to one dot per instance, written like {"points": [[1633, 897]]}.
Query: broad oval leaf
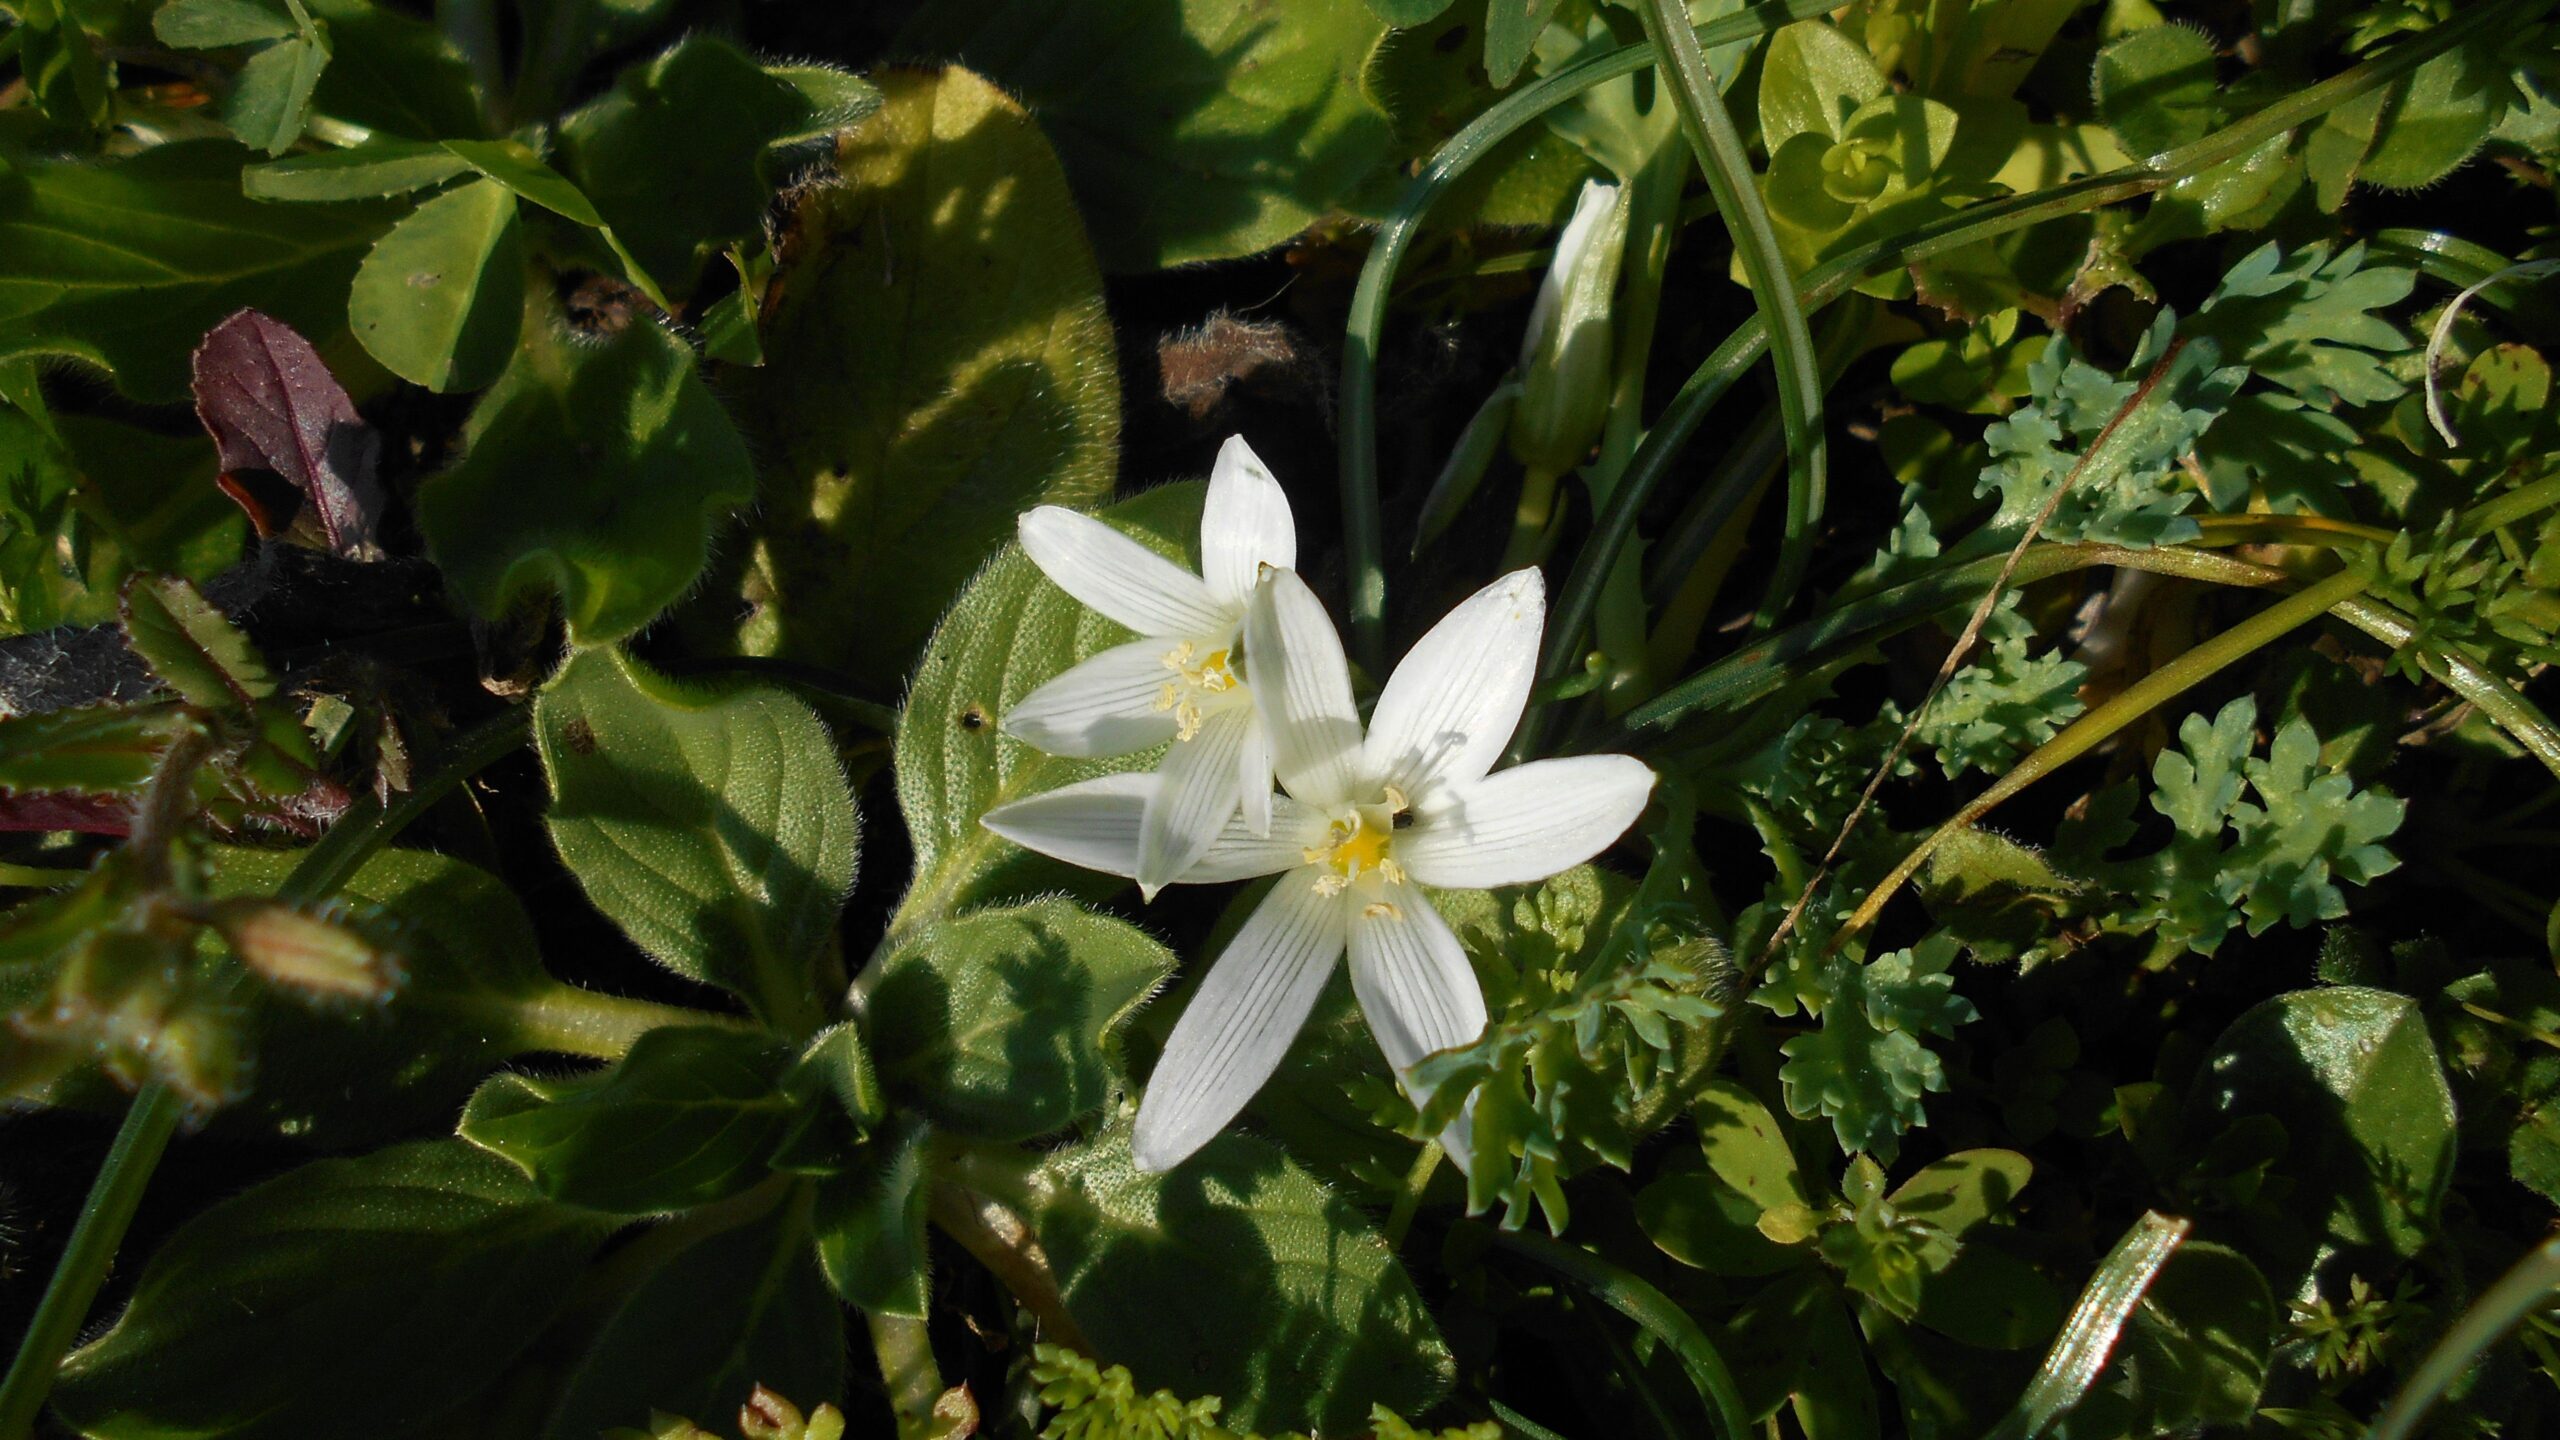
{"points": [[189, 249], [733, 1309], [1697, 1219], [870, 1223], [686, 1118], [354, 1270], [711, 823], [440, 299], [1746, 1147], [600, 470], [2353, 1077], [1011, 631], [1965, 1189], [1188, 1277], [998, 1023], [1192, 129], [937, 361], [271, 98], [2156, 88], [1812, 80]]}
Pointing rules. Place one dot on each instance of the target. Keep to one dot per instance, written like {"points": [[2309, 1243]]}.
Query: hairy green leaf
{"points": [[601, 471], [937, 361], [711, 823], [440, 299]]}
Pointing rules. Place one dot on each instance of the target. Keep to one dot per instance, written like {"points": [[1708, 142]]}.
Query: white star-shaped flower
{"points": [[1369, 824], [1182, 680]]}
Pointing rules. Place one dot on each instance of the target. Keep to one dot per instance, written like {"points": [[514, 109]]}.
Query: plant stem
{"points": [[2139, 699], [1409, 1199], [1729, 178], [907, 1371], [1653, 1310], [113, 1197]]}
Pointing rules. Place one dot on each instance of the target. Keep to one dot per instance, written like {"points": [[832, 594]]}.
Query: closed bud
{"points": [[320, 956], [1566, 358], [767, 1416]]}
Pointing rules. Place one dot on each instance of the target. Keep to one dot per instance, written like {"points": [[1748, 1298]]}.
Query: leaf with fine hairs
{"points": [[271, 405]]}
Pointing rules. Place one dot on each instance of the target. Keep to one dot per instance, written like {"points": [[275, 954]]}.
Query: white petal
{"points": [[1105, 706], [1525, 823], [1239, 854], [1093, 823], [1591, 211], [1240, 1021], [1244, 525], [1120, 577], [1417, 991], [1253, 772], [1456, 696], [1196, 799], [1293, 660]]}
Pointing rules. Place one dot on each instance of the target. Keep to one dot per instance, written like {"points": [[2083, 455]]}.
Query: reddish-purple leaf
{"points": [[275, 410], [53, 810]]}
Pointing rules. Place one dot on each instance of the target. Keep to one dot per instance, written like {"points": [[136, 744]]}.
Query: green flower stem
{"points": [[907, 1372], [1653, 1310], [1362, 531], [1409, 1199], [978, 1197], [1688, 409], [1729, 178], [2519, 717], [2089, 1336], [113, 1198], [2515, 505], [1533, 520], [157, 1111], [2139, 699], [38, 877], [2518, 1293]]}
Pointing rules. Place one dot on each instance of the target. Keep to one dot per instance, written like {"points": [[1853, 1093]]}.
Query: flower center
{"points": [[1359, 843], [1197, 680]]}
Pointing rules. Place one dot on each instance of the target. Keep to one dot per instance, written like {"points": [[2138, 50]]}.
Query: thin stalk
{"points": [[1362, 531], [156, 1111], [113, 1198], [1409, 1199], [1735, 476], [1653, 1310], [1718, 142], [2519, 717], [2518, 1293], [2137, 700]]}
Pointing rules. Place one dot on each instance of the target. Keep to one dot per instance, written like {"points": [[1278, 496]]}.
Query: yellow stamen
{"points": [[1354, 845], [1214, 675]]}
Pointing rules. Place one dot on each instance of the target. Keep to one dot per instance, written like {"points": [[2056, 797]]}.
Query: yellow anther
{"points": [[1380, 910], [1354, 845], [1396, 803], [1186, 720], [1168, 697]]}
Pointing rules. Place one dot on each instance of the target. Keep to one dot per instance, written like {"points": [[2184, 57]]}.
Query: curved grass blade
{"points": [[2089, 1336]]}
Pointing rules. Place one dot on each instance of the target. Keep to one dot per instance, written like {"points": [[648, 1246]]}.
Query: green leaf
{"points": [[1511, 30], [2310, 824], [1699, 1220], [2438, 117], [870, 1224], [831, 99], [192, 647], [2194, 1352], [1745, 1147], [473, 993], [353, 1271], [711, 823], [2156, 88], [1811, 81], [1194, 130], [215, 24], [693, 122], [395, 73], [1011, 632], [686, 1118], [1867, 1068], [1965, 1189], [998, 1023], [189, 250], [2352, 1076], [2311, 322], [601, 470], [271, 100], [376, 168], [898, 451], [440, 299], [513, 164], [1989, 1298], [92, 750], [733, 1309], [1238, 1275]]}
